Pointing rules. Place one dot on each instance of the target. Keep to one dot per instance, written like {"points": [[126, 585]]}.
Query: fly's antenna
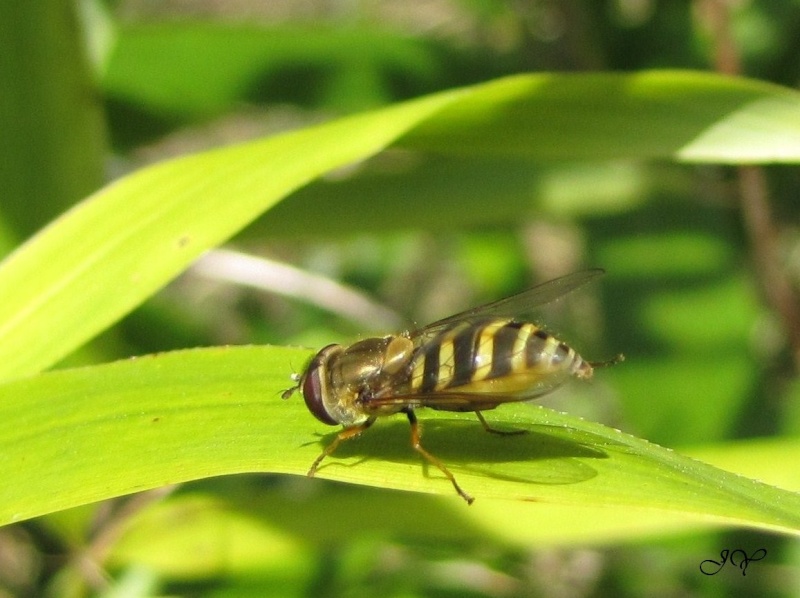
{"points": [[290, 391]]}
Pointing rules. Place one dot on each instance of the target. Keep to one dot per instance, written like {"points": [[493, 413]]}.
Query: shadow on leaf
{"points": [[544, 455]]}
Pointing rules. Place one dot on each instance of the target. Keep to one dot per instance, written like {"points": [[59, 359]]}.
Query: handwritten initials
{"points": [[737, 558]]}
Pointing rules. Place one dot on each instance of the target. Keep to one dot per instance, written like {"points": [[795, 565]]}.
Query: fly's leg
{"points": [[345, 434], [415, 442], [489, 428]]}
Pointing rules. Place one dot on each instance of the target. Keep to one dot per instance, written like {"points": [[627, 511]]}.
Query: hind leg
{"points": [[492, 430]]}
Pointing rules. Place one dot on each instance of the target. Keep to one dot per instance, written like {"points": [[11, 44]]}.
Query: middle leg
{"points": [[416, 443]]}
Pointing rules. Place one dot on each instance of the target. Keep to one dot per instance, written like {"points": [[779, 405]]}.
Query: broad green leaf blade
{"points": [[259, 520], [256, 528], [77, 436], [106, 256], [264, 527], [419, 193], [688, 116]]}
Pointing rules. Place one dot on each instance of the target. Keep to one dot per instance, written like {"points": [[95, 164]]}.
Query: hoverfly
{"points": [[472, 361]]}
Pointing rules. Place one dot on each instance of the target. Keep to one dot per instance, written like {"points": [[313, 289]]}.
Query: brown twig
{"points": [[753, 191], [763, 235]]}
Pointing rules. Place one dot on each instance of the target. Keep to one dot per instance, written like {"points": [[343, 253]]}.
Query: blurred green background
{"points": [[93, 90]]}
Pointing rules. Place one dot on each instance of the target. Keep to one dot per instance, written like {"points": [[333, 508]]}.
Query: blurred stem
{"points": [[275, 277], [757, 216], [53, 141], [753, 191]]}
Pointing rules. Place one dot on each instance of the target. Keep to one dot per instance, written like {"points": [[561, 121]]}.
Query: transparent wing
{"points": [[451, 401], [514, 306], [462, 400], [522, 386]]}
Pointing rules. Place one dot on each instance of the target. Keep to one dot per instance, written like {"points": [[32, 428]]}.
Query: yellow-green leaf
{"points": [[75, 436]]}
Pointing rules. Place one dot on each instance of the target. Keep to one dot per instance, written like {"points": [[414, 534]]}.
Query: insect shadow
{"points": [[540, 456]]}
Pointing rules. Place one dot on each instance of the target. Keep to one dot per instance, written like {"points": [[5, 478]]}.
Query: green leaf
{"points": [[197, 69], [76, 436], [286, 518], [106, 256], [419, 192], [103, 258], [693, 117]]}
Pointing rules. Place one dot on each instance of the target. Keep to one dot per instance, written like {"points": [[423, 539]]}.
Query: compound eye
{"points": [[315, 387]]}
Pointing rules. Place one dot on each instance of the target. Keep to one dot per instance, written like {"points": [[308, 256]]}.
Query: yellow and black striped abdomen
{"points": [[498, 356]]}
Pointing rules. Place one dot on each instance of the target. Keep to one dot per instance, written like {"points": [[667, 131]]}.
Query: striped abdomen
{"points": [[494, 356]]}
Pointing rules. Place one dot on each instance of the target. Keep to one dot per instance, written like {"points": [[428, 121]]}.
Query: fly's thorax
{"points": [[397, 355], [361, 362], [369, 366]]}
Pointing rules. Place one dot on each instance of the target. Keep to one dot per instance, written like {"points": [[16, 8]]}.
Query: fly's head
{"points": [[314, 384]]}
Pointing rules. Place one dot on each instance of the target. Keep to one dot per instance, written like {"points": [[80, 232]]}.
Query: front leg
{"points": [[345, 434]]}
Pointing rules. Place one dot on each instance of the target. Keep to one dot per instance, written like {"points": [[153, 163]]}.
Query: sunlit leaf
{"points": [[103, 258], [77, 436]]}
